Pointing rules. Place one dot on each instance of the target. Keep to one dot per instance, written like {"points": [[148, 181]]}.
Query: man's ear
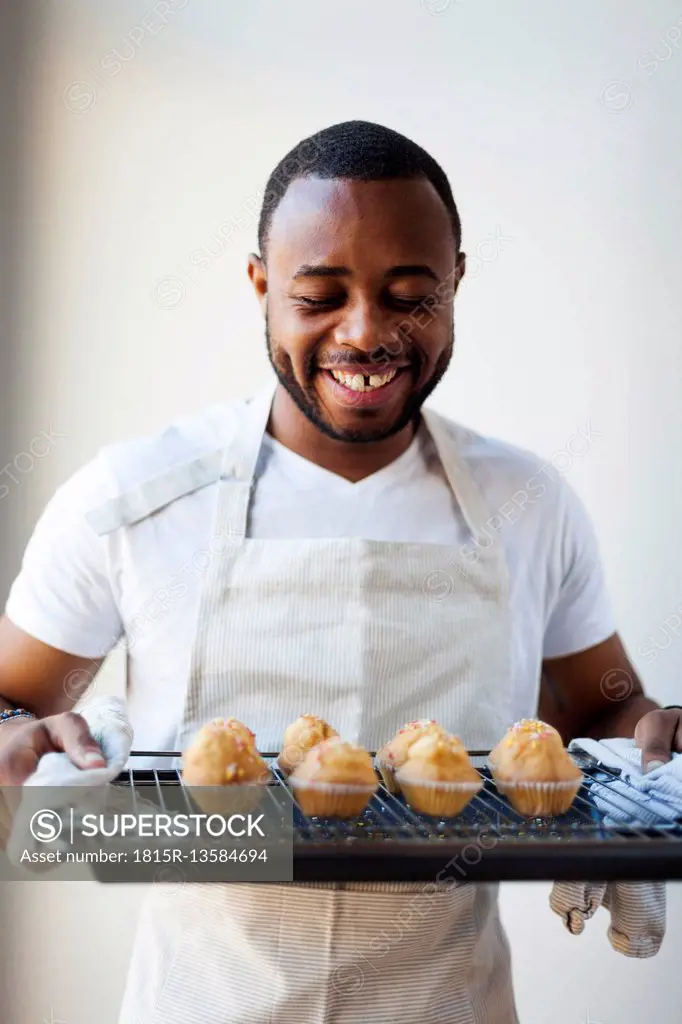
{"points": [[259, 279], [460, 270]]}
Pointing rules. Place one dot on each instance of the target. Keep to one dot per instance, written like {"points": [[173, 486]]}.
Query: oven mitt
{"points": [[633, 798], [576, 902], [637, 909], [637, 912], [637, 917], [111, 729]]}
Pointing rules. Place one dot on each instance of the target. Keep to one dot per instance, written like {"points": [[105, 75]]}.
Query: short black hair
{"points": [[360, 151]]}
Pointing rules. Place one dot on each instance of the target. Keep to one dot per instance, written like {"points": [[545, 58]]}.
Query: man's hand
{"points": [[24, 741], [659, 735], [48, 682]]}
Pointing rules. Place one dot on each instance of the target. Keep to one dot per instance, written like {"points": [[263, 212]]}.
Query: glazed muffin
{"points": [[242, 730], [220, 756], [533, 769], [334, 780], [393, 754], [517, 736], [437, 777], [299, 739]]}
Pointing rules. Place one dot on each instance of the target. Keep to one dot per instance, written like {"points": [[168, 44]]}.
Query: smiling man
{"points": [[311, 550]]}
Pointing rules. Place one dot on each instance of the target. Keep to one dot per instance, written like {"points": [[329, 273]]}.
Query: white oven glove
{"points": [[634, 798], [110, 728]]}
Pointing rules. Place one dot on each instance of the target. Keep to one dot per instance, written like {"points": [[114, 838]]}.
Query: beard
{"points": [[307, 399]]}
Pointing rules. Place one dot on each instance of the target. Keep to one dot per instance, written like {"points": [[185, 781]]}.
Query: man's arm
{"points": [[589, 685], [46, 682], [61, 620], [598, 693], [595, 693], [40, 678]]}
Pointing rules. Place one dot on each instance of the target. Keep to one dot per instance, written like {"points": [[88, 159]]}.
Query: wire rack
{"points": [[488, 840]]}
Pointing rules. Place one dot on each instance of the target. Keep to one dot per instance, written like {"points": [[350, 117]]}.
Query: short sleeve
{"points": [[63, 595], [580, 614]]}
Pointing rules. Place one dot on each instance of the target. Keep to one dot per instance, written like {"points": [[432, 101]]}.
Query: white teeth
{"points": [[356, 381]]}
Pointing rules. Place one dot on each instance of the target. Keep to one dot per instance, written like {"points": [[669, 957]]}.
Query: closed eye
{"points": [[400, 301], [327, 303], [408, 300]]}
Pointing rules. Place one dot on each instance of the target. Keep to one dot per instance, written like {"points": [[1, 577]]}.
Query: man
{"points": [[325, 548]]}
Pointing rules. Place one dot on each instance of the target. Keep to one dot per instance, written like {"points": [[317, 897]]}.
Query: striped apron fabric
{"points": [[368, 635]]}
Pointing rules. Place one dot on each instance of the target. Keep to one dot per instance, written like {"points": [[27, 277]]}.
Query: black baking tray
{"points": [[487, 842]]}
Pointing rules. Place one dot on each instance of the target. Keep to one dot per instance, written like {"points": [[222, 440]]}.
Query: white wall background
{"points": [[559, 126]]}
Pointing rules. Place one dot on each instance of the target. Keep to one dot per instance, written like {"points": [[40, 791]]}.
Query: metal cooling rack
{"points": [[488, 841]]}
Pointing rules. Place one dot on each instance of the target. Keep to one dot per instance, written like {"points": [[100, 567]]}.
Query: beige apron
{"points": [[368, 635]]}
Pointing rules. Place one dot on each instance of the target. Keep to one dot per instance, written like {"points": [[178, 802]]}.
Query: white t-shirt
{"points": [[82, 593]]}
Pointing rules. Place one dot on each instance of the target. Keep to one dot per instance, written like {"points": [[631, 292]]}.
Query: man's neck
{"points": [[352, 460]]}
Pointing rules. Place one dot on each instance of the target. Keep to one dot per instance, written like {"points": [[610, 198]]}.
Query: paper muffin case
{"points": [[235, 797], [438, 799], [331, 799], [540, 799], [387, 770]]}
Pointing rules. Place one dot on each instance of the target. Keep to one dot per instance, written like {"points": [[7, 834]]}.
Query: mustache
{"points": [[379, 358]]}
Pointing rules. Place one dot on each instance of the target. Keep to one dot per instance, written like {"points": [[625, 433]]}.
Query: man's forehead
{"points": [[316, 214]]}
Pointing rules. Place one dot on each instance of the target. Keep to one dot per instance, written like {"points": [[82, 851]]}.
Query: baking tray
{"points": [[487, 842]]}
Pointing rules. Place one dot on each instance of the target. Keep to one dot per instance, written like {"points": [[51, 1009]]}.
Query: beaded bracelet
{"points": [[10, 713]]}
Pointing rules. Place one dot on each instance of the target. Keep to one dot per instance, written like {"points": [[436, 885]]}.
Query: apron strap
{"points": [[233, 461], [152, 495], [468, 495], [239, 466]]}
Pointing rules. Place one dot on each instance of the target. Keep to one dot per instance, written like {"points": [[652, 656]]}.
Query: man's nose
{"points": [[364, 326]]}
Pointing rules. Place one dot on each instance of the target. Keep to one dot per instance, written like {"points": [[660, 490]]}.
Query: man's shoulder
{"points": [[490, 456], [133, 461], [506, 472]]}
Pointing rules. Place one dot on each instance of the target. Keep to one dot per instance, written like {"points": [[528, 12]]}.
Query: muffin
{"points": [[393, 754], [242, 730], [299, 739], [533, 769], [520, 732], [437, 777], [334, 780], [228, 771]]}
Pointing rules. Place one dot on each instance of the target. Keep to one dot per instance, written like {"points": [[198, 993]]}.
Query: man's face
{"points": [[358, 295]]}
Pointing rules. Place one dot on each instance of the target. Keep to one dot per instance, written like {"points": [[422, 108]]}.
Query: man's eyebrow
{"points": [[413, 270], [320, 270], [405, 270]]}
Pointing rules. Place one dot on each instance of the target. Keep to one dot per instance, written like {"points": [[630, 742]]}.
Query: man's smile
{"points": [[367, 389]]}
